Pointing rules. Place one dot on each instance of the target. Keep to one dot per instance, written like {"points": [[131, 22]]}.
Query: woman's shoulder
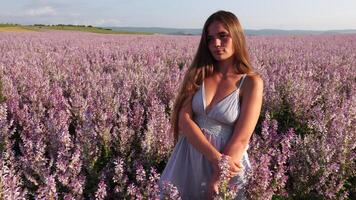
{"points": [[253, 81], [254, 77]]}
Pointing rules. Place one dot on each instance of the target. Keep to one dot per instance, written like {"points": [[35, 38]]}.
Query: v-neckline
{"points": [[213, 106]]}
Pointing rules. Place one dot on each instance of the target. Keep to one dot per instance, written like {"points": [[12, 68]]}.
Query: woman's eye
{"points": [[223, 36]]}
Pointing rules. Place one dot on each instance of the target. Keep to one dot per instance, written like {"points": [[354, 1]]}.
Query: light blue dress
{"points": [[187, 168]]}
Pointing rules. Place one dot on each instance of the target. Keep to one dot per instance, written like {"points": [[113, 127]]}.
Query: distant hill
{"points": [[157, 30], [169, 31], [11, 27], [177, 31]]}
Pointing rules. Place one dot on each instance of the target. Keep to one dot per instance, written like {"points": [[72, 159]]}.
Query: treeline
{"points": [[71, 25], [8, 24]]}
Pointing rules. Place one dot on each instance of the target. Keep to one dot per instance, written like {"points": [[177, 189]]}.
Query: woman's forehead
{"points": [[216, 27]]}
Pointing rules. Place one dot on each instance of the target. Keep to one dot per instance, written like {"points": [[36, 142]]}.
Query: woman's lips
{"points": [[219, 52]]}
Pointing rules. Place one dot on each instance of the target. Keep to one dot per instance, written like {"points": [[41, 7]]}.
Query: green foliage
{"points": [[83, 28], [93, 172], [350, 186], [2, 97], [278, 197], [2, 100], [288, 119], [71, 27], [285, 116], [311, 195], [9, 25]]}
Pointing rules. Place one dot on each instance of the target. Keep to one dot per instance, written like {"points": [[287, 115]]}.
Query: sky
{"points": [[253, 14]]}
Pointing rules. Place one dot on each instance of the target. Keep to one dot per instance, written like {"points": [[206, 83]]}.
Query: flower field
{"points": [[87, 116]]}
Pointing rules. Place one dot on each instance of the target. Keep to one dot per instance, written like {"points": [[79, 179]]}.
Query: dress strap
{"points": [[241, 81]]}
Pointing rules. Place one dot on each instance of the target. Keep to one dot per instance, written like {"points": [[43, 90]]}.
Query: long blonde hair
{"points": [[203, 62]]}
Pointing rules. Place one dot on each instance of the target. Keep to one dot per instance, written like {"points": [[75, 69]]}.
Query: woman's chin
{"points": [[220, 58]]}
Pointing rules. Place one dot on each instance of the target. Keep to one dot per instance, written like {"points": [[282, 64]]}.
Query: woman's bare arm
{"points": [[249, 112], [194, 134]]}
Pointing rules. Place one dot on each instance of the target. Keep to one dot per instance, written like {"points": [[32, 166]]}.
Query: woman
{"points": [[215, 112]]}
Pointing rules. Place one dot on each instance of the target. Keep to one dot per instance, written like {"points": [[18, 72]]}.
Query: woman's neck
{"points": [[226, 67]]}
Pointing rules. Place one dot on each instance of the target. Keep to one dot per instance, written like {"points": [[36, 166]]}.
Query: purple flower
{"points": [[100, 193]]}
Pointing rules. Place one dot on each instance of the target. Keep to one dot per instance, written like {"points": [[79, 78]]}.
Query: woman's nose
{"points": [[217, 42]]}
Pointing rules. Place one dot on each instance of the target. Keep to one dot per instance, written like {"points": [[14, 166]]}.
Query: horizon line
{"points": [[107, 26]]}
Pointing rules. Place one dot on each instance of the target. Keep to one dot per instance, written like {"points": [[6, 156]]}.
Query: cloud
{"points": [[94, 22], [107, 22], [40, 12], [48, 12]]}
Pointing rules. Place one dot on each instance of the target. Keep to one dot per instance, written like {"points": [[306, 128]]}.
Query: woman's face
{"points": [[219, 41]]}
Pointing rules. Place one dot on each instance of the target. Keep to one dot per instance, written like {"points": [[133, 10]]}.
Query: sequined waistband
{"points": [[213, 127]]}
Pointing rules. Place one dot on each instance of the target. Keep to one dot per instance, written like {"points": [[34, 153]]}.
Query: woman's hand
{"points": [[213, 186], [234, 168]]}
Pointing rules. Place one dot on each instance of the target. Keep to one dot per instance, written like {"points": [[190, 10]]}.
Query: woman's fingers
{"points": [[235, 168], [213, 186], [232, 174], [238, 164]]}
